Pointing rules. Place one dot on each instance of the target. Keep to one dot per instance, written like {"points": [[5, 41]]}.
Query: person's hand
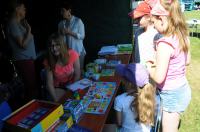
{"points": [[27, 26], [151, 63], [150, 66], [69, 32]]}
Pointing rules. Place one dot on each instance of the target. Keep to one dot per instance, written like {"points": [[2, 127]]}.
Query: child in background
{"points": [[172, 56], [135, 108], [144, 35]]}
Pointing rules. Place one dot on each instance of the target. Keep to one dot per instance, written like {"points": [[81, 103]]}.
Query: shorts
{"points": [[176, 100]]}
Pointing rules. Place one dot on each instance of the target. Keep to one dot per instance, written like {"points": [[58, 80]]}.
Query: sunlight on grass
{"points": [[191, 118], [195, 48], [192, 14]]}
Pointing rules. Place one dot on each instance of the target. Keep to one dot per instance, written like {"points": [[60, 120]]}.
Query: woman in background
{"points": [[73, 29], [22, 44]]}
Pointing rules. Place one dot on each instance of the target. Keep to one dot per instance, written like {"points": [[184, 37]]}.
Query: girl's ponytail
{"points": [[144, 104]]}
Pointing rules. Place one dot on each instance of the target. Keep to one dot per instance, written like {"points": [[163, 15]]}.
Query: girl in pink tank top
{"points": [[172, 56]]}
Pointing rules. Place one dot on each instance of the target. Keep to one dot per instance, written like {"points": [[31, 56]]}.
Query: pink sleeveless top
{"points": [[64, 74], [175, 76]]}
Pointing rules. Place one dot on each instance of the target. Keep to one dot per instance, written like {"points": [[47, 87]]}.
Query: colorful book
{"points": [[113, 63], [108, 72], [98, 97], [125, 47]]}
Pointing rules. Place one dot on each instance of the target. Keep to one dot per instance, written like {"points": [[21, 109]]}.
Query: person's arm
{"points": [[81, 30], [118, 107], [188, 58], [159, 72], [61, 28], [77, 71], [21, 40], [50, 85], [119, 118]]}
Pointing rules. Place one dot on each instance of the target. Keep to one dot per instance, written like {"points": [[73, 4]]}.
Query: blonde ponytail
{"points": [[144, 104]]}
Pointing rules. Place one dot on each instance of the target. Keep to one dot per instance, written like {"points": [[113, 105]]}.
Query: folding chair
{"points": [[158, 115]]}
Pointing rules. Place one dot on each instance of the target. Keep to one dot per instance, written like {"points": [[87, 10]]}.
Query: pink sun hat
{"points": [[151, 2], [159, 10]]}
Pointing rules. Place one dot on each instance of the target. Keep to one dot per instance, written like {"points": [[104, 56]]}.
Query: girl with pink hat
{"points": [[172, 56]]}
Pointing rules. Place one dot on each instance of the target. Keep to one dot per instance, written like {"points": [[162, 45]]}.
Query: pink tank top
{"points": [[64, 74], [177, 65]]}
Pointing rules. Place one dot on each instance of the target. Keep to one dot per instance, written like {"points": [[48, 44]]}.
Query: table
{"points": [[96, 122], [124, 58]]}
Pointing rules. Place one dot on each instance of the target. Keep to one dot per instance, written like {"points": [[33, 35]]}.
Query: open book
{"points": [[81, 84]]}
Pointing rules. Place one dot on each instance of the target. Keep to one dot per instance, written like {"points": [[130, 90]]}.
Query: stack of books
{"points": [[125, 48], [113, 63], [108, 50]]}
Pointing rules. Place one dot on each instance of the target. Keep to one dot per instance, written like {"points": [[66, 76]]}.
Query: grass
{"points": [[191, 118], [193, 15]]}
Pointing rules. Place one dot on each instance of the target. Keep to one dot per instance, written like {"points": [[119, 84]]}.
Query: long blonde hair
{"points": [[64, 55], [177, 25], [144, 104]]}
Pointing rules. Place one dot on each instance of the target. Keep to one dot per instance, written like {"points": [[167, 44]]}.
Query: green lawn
{"points": [[193, 15], [191, 118]]}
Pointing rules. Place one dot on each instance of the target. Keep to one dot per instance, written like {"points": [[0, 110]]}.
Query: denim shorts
{"points": [[176, 100]]}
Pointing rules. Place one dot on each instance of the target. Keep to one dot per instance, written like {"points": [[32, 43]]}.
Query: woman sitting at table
{"points": [[62, 66]]}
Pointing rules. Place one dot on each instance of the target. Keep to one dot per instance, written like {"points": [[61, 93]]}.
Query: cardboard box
{"points": [[74, 107], [35, 116]]}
